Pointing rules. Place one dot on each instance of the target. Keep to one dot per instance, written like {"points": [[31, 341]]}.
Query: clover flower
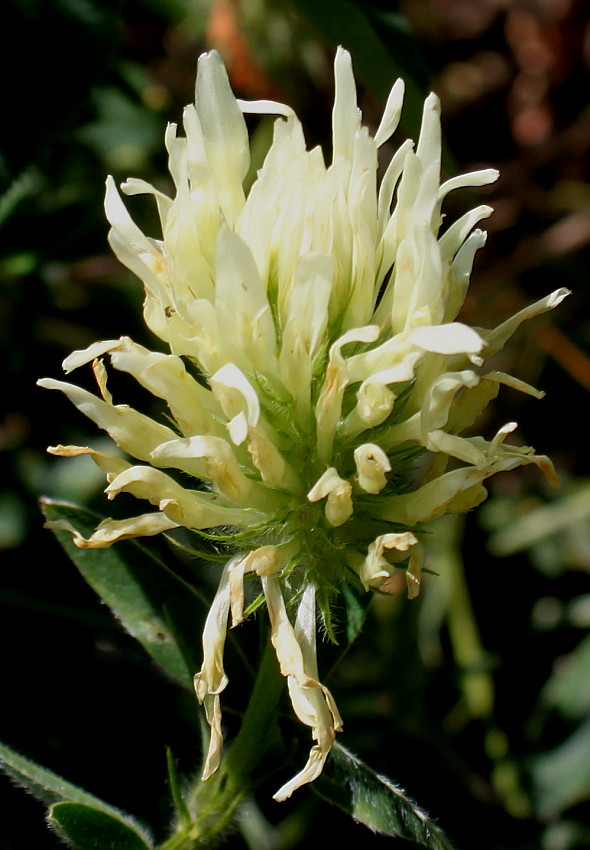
{"points": [[318, 380]]}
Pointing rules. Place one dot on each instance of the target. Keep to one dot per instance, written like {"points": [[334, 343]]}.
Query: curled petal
{"points": [[238, 400], [87, 355], [375, 569], [371, 465], [339, 496], [264, 561], [165, 376]]}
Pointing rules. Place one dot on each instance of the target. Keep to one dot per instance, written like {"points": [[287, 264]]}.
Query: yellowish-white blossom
{"points": [[316, 375]]}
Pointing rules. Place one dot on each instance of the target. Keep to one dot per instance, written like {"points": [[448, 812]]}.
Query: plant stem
{"points": [[215, 801]]}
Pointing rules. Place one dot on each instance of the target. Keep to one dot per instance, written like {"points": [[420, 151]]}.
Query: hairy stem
{"points": [[214, 802]]}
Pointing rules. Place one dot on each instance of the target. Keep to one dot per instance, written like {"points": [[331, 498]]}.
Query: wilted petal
{"points": [[312, 702], [211, 680], [110, 464], [375, 569], [414, 572], [110, 531]]}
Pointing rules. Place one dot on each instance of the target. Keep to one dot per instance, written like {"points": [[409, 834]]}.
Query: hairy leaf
{"points": [[88, 828], [561, 777], [56, 791], [157, 607], [375, 801]]}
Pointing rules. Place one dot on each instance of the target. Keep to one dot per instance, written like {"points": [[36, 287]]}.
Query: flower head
{"points": [[315, 364]]}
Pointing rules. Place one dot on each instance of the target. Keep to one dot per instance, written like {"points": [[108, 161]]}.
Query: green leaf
{"points": [[375, 801], [561, 777], [54, 790], [88, 828], [157, 607], [349, 613], [567, 689], [356, 602]]}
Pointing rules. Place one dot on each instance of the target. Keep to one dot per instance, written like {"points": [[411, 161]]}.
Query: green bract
{"points": [[333, 378]]}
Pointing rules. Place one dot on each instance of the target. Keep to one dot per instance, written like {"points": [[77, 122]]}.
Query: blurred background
{"points": [[475, 698]]}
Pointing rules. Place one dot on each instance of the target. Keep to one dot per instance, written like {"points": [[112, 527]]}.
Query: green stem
{"points": [[215, 801]]}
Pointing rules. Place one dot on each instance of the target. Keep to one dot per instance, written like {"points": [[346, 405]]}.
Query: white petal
{"points": [[224, 131], [371, 464], [338, 492], [472, 178], [375, 569], [454, 237], [429, 142], [87, 355], [312, 702], [329, 405], [191, 508], [346, 117], [242, 306], [496, 339], [132, 431], [391, 114], [222, 466], [265, 107], [236, 395], [452, 338], [211, 679]]}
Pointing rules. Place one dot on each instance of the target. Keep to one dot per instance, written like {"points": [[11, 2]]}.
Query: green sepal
{"points": [[184, 817], [375, 801], [158, 608], [87, 828]]}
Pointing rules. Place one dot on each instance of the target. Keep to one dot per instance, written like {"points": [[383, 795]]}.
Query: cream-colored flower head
{"points": [[315, 364]]}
